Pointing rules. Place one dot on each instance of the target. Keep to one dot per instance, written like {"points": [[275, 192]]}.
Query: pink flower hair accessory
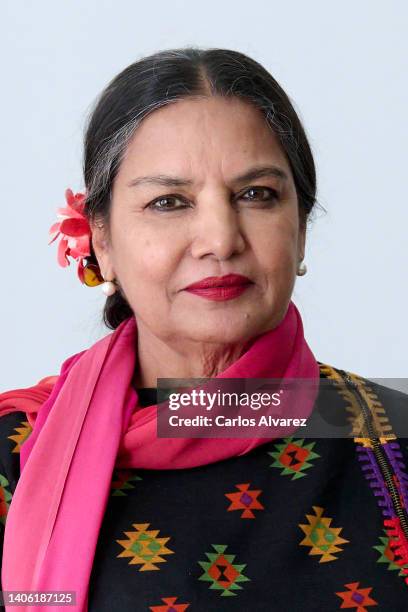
{"points": [[75, 232]]}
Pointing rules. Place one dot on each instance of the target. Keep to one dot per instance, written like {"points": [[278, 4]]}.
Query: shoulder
{"points": [[18, 411], [389, 406], [383, 388], [30, 399], [27, 399]]}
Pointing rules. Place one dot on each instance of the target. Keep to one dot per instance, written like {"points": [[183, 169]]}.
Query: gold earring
{"points": [[93, 277], [91, 274]]}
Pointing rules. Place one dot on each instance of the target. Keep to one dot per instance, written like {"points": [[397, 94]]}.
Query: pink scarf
{"points": [[84, 425]]}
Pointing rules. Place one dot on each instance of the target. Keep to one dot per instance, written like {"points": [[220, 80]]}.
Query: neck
{"points": [[158, 359]]}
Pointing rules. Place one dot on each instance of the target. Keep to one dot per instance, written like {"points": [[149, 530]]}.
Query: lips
{"points": [[229, 280], [220, 288]]}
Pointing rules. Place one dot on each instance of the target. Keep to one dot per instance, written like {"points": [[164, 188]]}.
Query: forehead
{"points": [[197, 133]]}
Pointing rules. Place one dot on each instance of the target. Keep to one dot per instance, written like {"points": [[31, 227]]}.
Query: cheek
{"points": [[147, 260], [276, 247]]}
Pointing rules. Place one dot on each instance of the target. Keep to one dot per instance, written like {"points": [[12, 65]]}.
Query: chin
{"points": [[235, 329]]}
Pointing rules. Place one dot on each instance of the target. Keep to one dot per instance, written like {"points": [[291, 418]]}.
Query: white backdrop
{"points": [[345, 67]]}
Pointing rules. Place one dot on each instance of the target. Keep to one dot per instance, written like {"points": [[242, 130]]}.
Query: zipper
{"points": [[380, 455]]}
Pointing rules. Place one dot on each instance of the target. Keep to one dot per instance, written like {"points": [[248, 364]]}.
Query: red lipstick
{"points": [[220, 288]]}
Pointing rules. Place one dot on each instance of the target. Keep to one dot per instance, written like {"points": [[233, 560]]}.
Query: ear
{"points": [[101, 246]]}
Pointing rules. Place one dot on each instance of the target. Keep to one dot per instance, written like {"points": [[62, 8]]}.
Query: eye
{"points": [[163, 204], [273, 194], [160, 204]]}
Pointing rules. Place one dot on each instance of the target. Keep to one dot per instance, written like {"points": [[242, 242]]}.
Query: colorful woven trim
{"points": [[368, 460]]}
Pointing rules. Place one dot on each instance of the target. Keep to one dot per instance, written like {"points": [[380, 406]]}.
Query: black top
{"points": [[293, 525], [147, 396]]}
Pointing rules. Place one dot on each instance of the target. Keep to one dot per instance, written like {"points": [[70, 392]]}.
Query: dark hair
{"points": [[164, 78]]}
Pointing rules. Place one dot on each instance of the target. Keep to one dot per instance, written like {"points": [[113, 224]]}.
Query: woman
{"points": [[199, 185]]}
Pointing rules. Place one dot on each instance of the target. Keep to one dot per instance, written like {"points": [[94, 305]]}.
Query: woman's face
{"points": [[165, 236]]}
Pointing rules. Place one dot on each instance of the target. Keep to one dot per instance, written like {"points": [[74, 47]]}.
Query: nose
{"points": [[217, 231]]}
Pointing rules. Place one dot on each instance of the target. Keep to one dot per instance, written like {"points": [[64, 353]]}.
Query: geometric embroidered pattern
{"points": [[399, 544], [387, 554], [245, 499], [372, 472], [357, 597], [380, 421], [322, 539], [144, 547], [121, 481], [170, 606], [381, 460], [221, 572], [23, 434], [293, 456], [5, 498]]}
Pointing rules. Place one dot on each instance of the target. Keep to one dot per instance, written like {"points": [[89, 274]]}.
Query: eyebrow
{"points": [[175, 181]]}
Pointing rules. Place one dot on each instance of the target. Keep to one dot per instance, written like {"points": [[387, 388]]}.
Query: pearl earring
{"points": [[302, 269], [108, 288]]}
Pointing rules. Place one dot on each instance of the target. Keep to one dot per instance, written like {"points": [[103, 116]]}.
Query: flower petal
{"points": [[69, 196], [53, 232], [74, 227], [83, 244], [54, 228], [80, 271], [71, 242], [77, 253], [78, 203], [55, 237], [69, 213], [62, 253]]}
